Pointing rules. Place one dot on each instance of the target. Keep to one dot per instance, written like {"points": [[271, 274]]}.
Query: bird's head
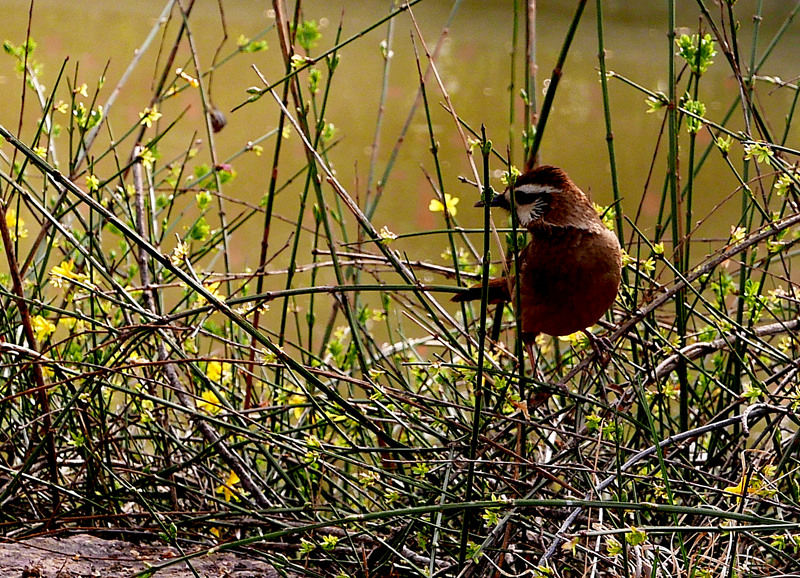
{"points": [[538, 193]]}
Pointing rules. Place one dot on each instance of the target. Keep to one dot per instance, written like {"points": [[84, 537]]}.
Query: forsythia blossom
{"points": [[42, 327], [450, 202], [66, 272], [149, 115]]}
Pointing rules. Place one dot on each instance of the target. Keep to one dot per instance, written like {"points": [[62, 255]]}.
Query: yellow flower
{"points": [[148, 158], [42, 327], [227, 489], [450, 202], [544, 344], [299, 61], [724, 144], [149, 115], [214, 370], [738, 234], [574, 338], [626, 259], [571, 545], [607, 214], [783, 183], [190, 79], [209, 403], [65, 271], [258, 149], [221, 372], [738, 488], [213, 288], [179, 253], [635, 536], [759, 484], [510, 176], [16, 226], [613, 546], [386, 235], [759, 151], [92, 183], [298, 401]]}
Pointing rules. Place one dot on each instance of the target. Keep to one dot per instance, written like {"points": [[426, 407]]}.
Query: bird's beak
{"points": [[498, 200]]}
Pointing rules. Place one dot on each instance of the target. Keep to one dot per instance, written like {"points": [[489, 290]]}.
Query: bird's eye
{"points": [[530, 193], [525, 197]]}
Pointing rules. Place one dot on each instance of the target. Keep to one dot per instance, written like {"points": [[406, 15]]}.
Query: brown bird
{"points": [[570, 270]]}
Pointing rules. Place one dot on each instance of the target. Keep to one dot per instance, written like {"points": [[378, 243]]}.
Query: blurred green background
{"points": [[475, 65]]}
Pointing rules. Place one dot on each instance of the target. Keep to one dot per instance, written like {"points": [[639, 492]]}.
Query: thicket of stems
{"points": [[330, 411]]}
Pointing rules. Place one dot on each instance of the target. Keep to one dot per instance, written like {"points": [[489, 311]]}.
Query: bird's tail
{"points": [[498, 292]]}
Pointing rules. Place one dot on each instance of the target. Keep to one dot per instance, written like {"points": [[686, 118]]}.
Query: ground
{"points": [[87, 556]]}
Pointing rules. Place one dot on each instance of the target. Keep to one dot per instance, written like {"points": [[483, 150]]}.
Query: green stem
{"points": [[551, 89], [403, 7], [486, 148], [675, 209]]}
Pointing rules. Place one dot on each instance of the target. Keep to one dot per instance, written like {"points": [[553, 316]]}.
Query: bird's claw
{"points": [[602, 347]]}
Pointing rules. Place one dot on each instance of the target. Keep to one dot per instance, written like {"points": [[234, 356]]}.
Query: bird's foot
{"points": [[602, 347], [535, 373]]}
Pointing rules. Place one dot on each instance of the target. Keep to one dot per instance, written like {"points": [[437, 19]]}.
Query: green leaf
{"points": [[200, 230], [308, 34], [698, 53]]}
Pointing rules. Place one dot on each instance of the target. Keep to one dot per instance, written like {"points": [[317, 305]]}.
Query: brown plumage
{"points": [[570, 270]]}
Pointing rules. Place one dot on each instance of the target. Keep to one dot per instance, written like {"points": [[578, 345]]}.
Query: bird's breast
{"points": [[569, 278]]}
